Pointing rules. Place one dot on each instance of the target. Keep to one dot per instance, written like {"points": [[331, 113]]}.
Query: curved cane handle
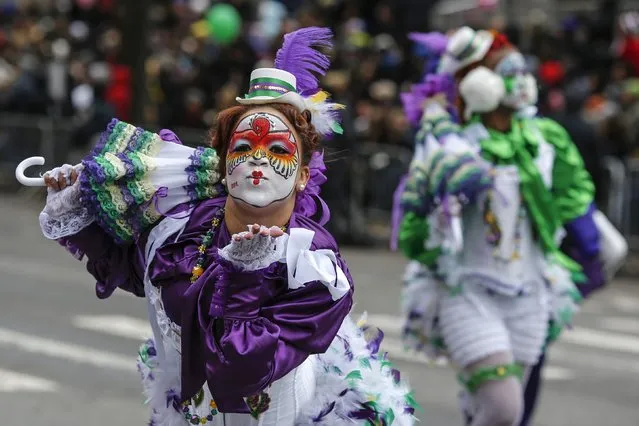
{"points": [[25, 164]]}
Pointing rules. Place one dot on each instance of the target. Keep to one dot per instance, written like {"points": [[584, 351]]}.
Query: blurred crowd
{"points": [[587, 66], [66, 57], [189, 77]]}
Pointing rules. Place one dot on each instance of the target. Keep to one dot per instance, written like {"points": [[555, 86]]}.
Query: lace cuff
{"points": [[257, 253], [63, 215], [68, 224]]}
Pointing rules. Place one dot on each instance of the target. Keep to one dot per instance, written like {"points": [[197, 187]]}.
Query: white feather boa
{"points": [[350, 375], [156, 382], [351, 378]]}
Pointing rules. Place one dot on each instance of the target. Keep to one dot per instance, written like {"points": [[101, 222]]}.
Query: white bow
{"points": [[305, 266]]}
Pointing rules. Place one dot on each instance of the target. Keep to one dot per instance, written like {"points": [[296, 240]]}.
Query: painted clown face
{"points": [[521, 86], [262, 160]]}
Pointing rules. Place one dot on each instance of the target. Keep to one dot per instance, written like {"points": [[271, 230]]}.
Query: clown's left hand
{"points": [[256, 248]]}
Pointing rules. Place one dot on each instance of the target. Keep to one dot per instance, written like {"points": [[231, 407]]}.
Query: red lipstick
{"points": [[257, 175]]}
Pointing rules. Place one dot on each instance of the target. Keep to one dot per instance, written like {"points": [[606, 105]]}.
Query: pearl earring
{"points": [[224, 181], [301, 186]]}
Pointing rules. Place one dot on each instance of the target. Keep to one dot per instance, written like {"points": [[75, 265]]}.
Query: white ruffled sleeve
{"points": [[63, 215], [306, 265]]}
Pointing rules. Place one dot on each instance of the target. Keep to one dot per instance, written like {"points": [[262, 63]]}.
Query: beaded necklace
{"points": [[494, 234], [207, 240]]}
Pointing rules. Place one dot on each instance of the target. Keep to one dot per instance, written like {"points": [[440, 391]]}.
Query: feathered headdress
{"points": [[294, 79], [430, 46], [431, 86]]}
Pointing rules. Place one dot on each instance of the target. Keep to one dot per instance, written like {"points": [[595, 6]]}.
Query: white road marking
{"points": [[17, 382], [593, 361], [44, 272], [626, 303], [555, 373], [621, 324], [66, 351], [116, 325], [601, 340]]}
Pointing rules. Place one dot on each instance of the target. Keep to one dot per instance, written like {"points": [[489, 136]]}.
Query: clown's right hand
{"points": [[256, 248], [64, 214], [61, 177], [63, 189]]}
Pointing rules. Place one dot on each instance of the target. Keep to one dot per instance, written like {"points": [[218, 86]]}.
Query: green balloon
{"points": [[224, 23]]}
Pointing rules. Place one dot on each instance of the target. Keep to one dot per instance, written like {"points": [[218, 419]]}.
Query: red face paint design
{"points": [[266, 138], [262, 160]]}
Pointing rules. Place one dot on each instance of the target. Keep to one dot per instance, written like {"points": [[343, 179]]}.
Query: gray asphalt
{"points": [[56, 372]]}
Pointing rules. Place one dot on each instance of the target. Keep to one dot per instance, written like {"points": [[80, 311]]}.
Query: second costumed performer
{"points": [[484, 208], [248, 295]]}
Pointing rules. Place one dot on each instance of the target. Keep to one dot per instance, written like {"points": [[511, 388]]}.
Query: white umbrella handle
{"points": [[25, 164]]}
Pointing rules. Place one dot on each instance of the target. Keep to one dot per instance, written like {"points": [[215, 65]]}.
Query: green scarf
{"points": [[520, 147]]}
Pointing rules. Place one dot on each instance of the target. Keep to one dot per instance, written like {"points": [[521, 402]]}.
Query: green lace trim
{"points": [[110, 196], [206, 174]]}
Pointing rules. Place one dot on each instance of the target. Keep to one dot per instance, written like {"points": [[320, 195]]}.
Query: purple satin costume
{"points": [[240, 331]]}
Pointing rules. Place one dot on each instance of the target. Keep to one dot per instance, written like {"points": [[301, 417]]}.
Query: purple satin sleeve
{"points": [[252, 330], [592, 269], [110, 264], [582, 244], [583, 233]]}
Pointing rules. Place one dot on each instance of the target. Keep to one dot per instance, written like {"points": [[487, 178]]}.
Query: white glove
{"points": [[63, 215], [67, 199], [256, 248]]}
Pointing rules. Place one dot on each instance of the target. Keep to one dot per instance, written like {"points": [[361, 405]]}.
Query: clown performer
{"points": [[248, 295], [484, 209], [599, 259]]}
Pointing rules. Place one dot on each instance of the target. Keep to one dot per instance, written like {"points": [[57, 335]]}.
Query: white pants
{"points": [[476, 324], [288, 395]]}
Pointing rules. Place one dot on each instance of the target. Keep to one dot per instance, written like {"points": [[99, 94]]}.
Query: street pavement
{"points": [[68, 359]]}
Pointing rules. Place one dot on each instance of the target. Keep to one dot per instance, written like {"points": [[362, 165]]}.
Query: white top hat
{"points": [[272, 85], [466, 46]]}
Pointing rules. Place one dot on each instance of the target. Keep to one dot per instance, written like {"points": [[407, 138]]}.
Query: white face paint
{"points": [[521, 85], [262, 160]]}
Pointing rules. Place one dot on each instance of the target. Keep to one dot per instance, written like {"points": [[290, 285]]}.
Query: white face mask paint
{"points": [[521, 86], [262, 160]]}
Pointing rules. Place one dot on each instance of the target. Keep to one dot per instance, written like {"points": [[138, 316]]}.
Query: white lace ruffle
{"points": [[71, 223], [63, 215], [164, 330]]}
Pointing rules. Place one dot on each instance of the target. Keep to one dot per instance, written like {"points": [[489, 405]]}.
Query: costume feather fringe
{"points": [[357, 385]]}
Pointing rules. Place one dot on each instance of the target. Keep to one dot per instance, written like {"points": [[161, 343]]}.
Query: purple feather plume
{"points": [[299, 56], [434, 42]]}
